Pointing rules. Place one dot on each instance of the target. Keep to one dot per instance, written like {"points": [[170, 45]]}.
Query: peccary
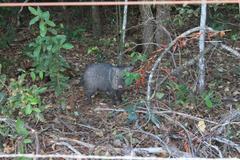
{"points": [[106, 78]]}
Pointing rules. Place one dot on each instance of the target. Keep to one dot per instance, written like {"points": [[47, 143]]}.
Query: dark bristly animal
{"points": [[106, 78]]}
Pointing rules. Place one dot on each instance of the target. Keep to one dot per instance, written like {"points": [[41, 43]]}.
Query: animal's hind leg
{"points": [[89, 97], [113, 96], [119, 96]]}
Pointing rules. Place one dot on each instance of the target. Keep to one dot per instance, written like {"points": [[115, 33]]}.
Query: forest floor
{"points": [[175, 127]]}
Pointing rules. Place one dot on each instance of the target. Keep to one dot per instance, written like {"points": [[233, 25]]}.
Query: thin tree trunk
{"points": [[123, 33], [148, 27], [162, 36], [118, 23], [96, 25], [201, 63]]}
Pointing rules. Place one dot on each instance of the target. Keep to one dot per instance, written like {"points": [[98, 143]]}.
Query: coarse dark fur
{"points": [[106, 78]]}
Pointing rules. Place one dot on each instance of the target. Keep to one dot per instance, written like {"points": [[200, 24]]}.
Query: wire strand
{"points": [[119, 3]]}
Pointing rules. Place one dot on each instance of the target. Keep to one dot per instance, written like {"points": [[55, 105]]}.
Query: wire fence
{"points": [[119, 3], [109, 3], [78, 157]]}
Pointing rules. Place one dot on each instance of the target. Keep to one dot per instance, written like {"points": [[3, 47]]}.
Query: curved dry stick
{"points": [[68, 146], [157, 62], [184, 34], [227, 142], [76, 141], [156, 137], [186, 131], [227, 48], [214, 147]]}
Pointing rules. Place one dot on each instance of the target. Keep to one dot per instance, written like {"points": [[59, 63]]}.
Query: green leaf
{"points": [[132, 116], [159, 95], [208, 102], [33, 11], [37, 110], [33, 76], [61, 38], [49, 47], [53, 31], [50, 23], [34, 100], [128, 81], [28, 110], [36, 52], [67, 46], [41, 90], [43, 29], [234, 37], [129, 78], [41, 75], [55, 49], [2, 98], [27, 141], [39, 10], [20, 128], [34, 20], [45, 16]]}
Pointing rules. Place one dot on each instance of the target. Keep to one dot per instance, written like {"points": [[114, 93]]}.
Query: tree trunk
{"points": [[96, 24], [123, 33], [162, 36], [148, 28], [201, 63]]}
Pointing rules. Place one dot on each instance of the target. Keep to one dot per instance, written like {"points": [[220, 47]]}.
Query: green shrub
{"points": [[137, 57], [23, 101], [130, 77], [45, 51]]}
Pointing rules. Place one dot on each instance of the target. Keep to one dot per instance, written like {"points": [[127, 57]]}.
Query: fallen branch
{"points": [[151, 150], [215, 148], [173, 151], [69, 146], [76, 141], [227, 142], [226, 120], [159, 112]]}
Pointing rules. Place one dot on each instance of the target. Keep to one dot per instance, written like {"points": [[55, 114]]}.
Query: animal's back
{"points": [[96, 77]]}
